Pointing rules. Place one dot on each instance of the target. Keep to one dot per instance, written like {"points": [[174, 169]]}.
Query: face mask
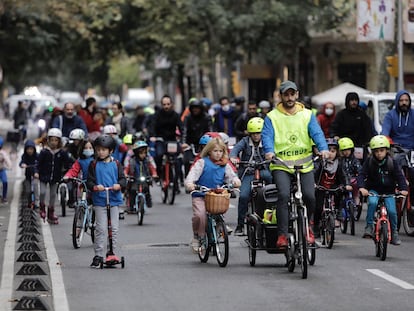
{"points": [[225, 107], [329, 111], [88, 153]]}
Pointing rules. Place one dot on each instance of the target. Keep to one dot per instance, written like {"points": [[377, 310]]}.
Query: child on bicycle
{"points": [[249, 148], [140, 164], [52, 160], [351, 165], [103, 172], [212, 170], [29, 161], [5, 164], [329, 174], [381, 174]]}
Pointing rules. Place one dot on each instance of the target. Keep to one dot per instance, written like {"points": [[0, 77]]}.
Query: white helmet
{"points": [[224, 137], [110, 129], [54, 132], [264, 104], [77, 134]]}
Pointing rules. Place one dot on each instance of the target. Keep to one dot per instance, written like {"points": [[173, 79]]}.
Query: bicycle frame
{"points": [[381, 216]]}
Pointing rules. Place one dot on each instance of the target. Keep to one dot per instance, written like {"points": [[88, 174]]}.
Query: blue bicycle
{"points": [[348, 213]]}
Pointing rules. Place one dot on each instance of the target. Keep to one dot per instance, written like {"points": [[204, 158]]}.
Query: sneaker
{"points": [[121, 215], [239, 230], [229, 229], [337, 223], [311, 238], [369, 229], [4, 200], [282, 241], [395, 239], [96, 262], [195, 245]]}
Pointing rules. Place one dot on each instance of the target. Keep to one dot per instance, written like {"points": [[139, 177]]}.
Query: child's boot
{"points": [[51, 217], [395, 240], [42, 211]]}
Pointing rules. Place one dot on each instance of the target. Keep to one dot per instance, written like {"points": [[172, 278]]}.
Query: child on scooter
{"points": [[381, 174], [103, 172], [29, 161], [211, 170]]}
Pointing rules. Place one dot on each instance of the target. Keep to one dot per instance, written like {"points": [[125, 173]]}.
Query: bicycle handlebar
{"points": [[395, 195], [337, 189]]}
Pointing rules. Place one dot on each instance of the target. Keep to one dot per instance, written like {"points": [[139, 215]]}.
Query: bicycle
{"points": [[382, 225], [169, 176], [84, 217], [216, 239], [63, 195], [348, 213], [298, 250], [140, 204], [327, 225], [30, 188]]}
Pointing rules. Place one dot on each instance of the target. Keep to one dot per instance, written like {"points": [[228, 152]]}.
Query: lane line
{"points": [[391, 279], [60, 300], [6, 287]]}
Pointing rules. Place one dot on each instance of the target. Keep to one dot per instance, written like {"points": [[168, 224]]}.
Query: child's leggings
{"points": [[52, 194], [199, 219], [3, 178]]}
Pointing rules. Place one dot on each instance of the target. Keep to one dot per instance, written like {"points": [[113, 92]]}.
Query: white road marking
{"points": [[6, 287], [60, 300], [391, 279]]}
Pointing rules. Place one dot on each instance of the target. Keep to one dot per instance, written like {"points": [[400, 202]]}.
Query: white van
{"points": [[378, 106]]}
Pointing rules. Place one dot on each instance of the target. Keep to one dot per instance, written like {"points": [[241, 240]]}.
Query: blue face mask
{"points": [[88, 153]]}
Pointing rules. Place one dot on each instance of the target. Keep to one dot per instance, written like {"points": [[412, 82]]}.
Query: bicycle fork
{"points": [[383, 219]]}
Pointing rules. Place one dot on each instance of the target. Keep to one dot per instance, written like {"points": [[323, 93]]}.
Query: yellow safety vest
{"points": [[292, 141]]}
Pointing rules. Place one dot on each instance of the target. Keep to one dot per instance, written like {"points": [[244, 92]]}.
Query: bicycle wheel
{"points": [[204, 250], [352, 208], [92, 225], [140, 209], [62, 196], [383, 241], [344, 220], [408, 220], [78, 226], [290, 253], [222, 243], [302, 246], [358, 209], [399, 207], [251, 236], [330, 231], [172, 186]]}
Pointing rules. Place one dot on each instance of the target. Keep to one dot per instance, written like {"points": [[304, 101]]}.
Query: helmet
{"points": [[363, 105], [128, 139], [105, 141], [196, 103], [1, 142], [78, 134], [255, 125], [139, 144], [332, 142], [379, 141], [110, 129], [204, 139], [28, 143], [224, 137], [206, 102], [55, 132], [345, 143], [239, 100], [264, 104]]}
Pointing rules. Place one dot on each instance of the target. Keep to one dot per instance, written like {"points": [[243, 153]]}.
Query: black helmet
{"points": [[239, 100], [196, 103], [105, 141]]}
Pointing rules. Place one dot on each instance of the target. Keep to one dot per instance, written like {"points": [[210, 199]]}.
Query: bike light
{"points": [[298, 195], [142, 178], [41, 124]]}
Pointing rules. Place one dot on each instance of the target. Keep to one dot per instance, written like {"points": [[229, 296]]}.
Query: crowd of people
{"points": [[104, 148]]}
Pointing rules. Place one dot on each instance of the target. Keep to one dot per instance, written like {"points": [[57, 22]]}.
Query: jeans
{"points": [[282, 180], [245, 193], [391, 210]]}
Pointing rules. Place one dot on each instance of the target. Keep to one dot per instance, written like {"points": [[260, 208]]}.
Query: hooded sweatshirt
{"points": [[400, 125], [352, 122]]}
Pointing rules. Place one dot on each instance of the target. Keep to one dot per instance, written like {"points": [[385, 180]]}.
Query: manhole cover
{"points": [[32, 285], [30, 269], [30, 303]]}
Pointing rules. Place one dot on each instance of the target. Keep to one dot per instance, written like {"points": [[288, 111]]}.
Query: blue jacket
{"points": [[398, 125]]}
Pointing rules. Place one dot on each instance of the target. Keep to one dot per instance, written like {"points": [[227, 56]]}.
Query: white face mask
{"points": [[329, 111], [225, 107]]}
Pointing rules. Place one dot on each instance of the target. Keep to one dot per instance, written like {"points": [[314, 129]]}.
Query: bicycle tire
{"points": [[140, 209], [63, 200], [290, 254], [222, 243], [383, 241], [399, 207], [302, 245], [408, 220], [172, 186], [358, 209], [92, 225], [344, 220], [251, 236], [352, 208], [330, 231], [78, 226], [204, 250]]}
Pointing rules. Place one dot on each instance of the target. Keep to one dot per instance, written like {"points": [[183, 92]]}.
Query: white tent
{"points": [[337, 94]]}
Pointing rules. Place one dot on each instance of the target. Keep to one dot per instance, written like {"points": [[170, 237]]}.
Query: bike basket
{"points": [[217, 203], [172, 147]]}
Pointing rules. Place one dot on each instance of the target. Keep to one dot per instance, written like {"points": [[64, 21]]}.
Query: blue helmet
{"points": [[204, 139], [29, 143]]}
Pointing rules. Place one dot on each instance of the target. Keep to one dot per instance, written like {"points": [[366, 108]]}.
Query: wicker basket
{"points": [[217, 203]]}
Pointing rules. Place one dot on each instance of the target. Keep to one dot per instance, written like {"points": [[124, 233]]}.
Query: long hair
{"points": [[215, 142]]}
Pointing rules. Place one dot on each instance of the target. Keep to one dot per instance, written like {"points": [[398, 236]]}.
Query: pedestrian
{"points": [[210, 170], [5, 164], [290, 130], [326, 117], [103, 172]]}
